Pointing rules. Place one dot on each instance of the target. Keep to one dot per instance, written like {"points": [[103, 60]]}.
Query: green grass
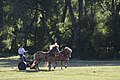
{"points": [[10, 58], [71, 73], [9, 71]]}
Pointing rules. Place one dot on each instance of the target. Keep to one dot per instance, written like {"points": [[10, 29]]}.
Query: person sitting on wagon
{"points": [[21, 52]]}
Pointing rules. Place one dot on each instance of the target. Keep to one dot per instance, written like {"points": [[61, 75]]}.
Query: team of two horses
{"points": [[51, 56]]}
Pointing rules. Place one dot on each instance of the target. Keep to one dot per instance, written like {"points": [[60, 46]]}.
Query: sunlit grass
{"points": [[9, 71], [71, 73], [11, 58]]}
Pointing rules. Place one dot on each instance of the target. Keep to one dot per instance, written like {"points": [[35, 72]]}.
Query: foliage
{"points": [[38, 23]]}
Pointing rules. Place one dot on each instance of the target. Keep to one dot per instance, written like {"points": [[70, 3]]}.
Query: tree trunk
{"points": [[80, 9], [64, 11], [26, 35], [1, 13], [45, 28], [80, 14], [74, 24], [57, 34], [14, 42], [91, 7], [118, 9], [113, 7], [114, 34], [34, 19], [79, 43], [85, 8]]}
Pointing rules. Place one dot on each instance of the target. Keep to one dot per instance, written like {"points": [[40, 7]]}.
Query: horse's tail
{"points": [[34, 56], [34, 60], [33, 64], [46, 64]]}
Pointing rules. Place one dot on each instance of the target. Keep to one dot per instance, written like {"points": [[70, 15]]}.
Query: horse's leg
{"points": [[37, 67], [46, 64], [49, 66], [55, 65], [33, 64], [61, 64], [66, 64]]}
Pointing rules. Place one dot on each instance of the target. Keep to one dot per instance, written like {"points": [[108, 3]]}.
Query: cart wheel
{"points": [[22, 65]]}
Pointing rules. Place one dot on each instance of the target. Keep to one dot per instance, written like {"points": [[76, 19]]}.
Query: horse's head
{"points": [[67, 52], [54, 50], [54, 45]]}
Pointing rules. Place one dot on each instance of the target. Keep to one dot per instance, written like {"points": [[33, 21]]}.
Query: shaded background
{"points": [[90, 27]]}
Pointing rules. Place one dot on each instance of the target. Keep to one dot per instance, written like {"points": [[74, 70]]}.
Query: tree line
{"points": [[90, 27]]}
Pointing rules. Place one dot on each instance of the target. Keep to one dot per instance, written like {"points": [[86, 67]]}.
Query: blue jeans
{"points": [[23, 58]]}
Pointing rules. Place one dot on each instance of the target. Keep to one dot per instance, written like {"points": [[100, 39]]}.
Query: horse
{"points": [[63, 55], [47, 56]]}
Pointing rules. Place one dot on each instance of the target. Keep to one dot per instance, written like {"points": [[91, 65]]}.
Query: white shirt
{"points": [[21, 50]]}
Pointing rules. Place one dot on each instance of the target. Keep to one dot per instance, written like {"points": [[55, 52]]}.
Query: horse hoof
{"points": [[65, 66]]}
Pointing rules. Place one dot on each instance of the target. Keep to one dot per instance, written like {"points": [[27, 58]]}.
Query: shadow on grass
{"points": [[8, 63], [75, 63], [31, 71]]}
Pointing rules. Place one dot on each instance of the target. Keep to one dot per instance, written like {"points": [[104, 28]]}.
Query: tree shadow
{"points": [[8, 63], [41, 70], [72, 63], [93, 63]]}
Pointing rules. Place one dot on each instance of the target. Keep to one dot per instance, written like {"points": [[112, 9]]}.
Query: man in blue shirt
{"points": [[21, 52]]}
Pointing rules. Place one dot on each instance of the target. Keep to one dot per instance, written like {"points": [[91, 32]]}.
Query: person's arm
{"points": [[24, 51]]}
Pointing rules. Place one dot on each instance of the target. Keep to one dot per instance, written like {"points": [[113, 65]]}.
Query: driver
{"points": [[21, 52]]}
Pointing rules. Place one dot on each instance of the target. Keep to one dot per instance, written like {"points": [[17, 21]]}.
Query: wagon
{"points": [[22, 65]]}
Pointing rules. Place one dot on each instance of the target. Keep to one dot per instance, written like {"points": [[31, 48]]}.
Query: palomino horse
{"points": [[47, 56], [63, 55]]}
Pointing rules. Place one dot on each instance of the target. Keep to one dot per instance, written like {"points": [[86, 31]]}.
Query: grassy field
{"points": [[9, 71]]}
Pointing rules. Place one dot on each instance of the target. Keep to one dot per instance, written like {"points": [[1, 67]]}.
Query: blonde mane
{"points": [[51, 46], [68, 49]]}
